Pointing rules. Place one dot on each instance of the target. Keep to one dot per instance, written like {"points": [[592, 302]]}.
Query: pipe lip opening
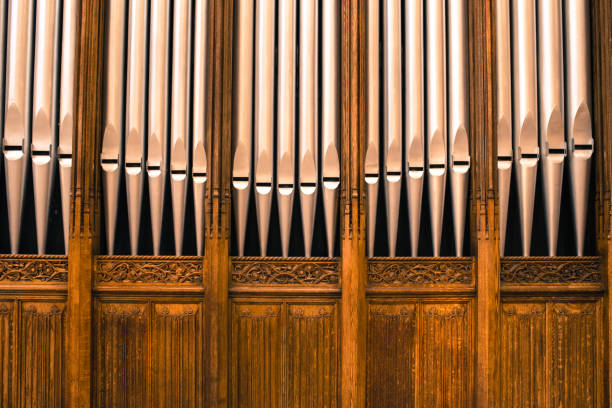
{"points": [[285, 189], [308, 188], [371, 178]]}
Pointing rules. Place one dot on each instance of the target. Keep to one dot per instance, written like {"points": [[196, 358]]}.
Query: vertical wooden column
{"points": [[482, 123], [84, 201], [217, 261], [354, 264], [601, 13]]}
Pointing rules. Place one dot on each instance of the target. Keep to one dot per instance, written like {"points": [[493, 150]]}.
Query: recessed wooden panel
{"points": [[446, 368], [6, 353], [523, 356], [574, 355], [312, 358], [391, 356], [257, 342], [120, 359], [41, 344], [176, 353]]}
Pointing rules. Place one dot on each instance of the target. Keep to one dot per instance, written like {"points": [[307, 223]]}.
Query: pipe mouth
{"points": [[437, 169], [240, 183], [41, 157], [133, 169], [285, 189], [416, 172], [109, 165], [178, 175], [263, 187], [583, 151], [154, 170], [199, 177], [371, 178], [331, 183], [393, 176], [308, 188], [529, 159], [461, 166], [504, 162]]}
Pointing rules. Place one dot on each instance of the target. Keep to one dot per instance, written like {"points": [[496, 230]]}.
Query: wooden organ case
{"points": [[296, 241]]}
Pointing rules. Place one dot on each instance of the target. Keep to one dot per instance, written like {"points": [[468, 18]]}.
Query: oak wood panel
{"points": [[176, 355], [524, 357], [120, 354], [6, 353], [391, 360]]}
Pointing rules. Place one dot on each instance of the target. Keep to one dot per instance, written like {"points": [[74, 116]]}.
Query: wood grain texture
{"points": [[41, 350], [176, 356], [523, 373], [34, 268], [120, 351], [392, 354], [7, 357]]}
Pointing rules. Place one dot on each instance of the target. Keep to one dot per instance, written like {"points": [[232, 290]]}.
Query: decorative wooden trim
{"points": [[285, 271], [149, 269], [394, 272], [546, 270], [34, 268]]}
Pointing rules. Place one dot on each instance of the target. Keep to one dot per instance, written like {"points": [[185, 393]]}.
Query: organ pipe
{"points": [[436, 115], [157, 163], [243, 124], [264, 117], [112, 146], [179, 148], [199, 169], [552, 138], [526, 150], [17, 119], [578, 122], [44, 101], [286, 118]]}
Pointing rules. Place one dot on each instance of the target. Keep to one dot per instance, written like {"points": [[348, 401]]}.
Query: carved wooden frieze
{"points": [[520, 270], [154, 269], [391, 272], [285, 271], [34, 268]]}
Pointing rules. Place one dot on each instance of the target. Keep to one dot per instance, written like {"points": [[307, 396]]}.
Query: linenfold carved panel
{"points": [[149, 269], [419, 271], [285, 271], [6, 353], [34, 268], [517, 270]]}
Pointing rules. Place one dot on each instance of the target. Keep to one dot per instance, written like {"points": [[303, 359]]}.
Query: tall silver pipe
{"points": [[578, 122], [308, 154], [526, 150], [243, 117], [436, 115], [17, 119], [285, 154], [200, 163], [504, 114], [44, 115], [458, 121], [135, 115], [372, 166], [552, 137], [264, 117], [67, 106], [157, 161], [179, 148], [112, 142], [393, 116], [414, 116], [330, 160]]}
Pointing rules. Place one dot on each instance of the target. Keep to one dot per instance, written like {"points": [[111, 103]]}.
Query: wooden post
{"points": [[482, 125], [354, 264], [217, 261], [84, 202]]}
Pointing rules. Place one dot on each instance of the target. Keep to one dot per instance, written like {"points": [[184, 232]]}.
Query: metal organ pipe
{"points": [[243, 77], [17, 119], [135, 115], [436, 115], [578, 123], [158, 114], [112, 151], [504, 115], [179, 148], [285, 158], [526, 150], [44, 98], [199, 169], [392, 116], [371, 159], [414, 111], [308, 118], [67, 106], [551, 124], [264, 117]]}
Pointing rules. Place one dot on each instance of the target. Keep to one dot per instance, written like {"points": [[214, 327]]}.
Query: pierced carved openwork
{"points": [[285, 271], [31, 268], [419, 271], [518, 270], [118, 269]]}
